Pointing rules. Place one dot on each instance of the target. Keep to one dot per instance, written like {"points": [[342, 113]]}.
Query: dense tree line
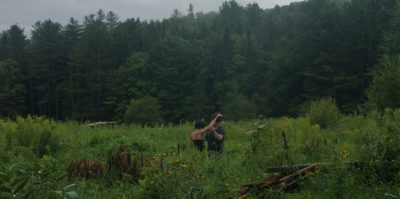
{"points": [[242, 60]]}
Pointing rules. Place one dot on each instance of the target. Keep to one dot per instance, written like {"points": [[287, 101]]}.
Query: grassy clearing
{"points": [[35, 154]]}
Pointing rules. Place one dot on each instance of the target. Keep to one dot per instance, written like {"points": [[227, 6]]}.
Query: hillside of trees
{"points": [[242, 60]]}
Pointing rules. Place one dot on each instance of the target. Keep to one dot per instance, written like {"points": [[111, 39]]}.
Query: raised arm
{"points": [[204, 130]]}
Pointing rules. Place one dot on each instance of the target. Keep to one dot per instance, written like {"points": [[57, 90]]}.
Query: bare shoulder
{"points": [[192, 134]]}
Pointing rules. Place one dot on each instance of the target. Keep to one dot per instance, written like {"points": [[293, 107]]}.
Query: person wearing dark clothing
{"points": [[216, 136], [199, 144], [197, 136], [215, 139]]}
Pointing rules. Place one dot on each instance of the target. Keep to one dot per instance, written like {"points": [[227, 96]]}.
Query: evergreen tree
{"points": [[12, 89], [92, 59], [48, 68]]}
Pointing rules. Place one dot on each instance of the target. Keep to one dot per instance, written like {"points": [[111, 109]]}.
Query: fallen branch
{"points": [[267, 186], [259, 185], [309, 168], [287, 169]]}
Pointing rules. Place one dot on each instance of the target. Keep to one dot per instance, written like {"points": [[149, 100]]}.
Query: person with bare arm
{"points": [[197, 137]]}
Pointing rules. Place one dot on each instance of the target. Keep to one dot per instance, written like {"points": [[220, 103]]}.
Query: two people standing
{"points": [[214, 134]]}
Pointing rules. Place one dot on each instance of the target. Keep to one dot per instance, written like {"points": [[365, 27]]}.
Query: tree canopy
{"points": [[241, 59]]}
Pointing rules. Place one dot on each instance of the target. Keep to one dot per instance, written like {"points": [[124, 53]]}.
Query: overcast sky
{"points": [[26, 12]]}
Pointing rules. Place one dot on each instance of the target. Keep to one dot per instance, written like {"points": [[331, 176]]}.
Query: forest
{"points": [[244, 61]]}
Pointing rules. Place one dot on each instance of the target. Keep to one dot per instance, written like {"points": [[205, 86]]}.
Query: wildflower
{"points": [[184, 166], [200, 177], [175, 161], [169, 173], [345, 154], [173, 153], [161, 155], [169, 153], [153, 161]]}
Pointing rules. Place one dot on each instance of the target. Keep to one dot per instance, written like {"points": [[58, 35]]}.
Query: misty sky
{"points": [[26, 12]]}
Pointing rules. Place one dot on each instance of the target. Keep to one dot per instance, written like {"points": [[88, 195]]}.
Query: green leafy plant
{"points": [[324, 112], [34, 181], [381, 149], [144, 111], [239, 107], [36, 133], [385, 88]]}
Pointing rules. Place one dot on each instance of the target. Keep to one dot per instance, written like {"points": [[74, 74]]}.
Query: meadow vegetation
{"points": [[36, 152]]}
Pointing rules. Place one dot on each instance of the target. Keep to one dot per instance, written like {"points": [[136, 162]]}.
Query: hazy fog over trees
{"points": [[245, 59]]}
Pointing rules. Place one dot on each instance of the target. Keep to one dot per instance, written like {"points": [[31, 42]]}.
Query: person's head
{"points": [[218, 120], [199, 124]]}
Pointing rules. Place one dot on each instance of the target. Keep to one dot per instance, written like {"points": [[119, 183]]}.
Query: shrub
{"points": [[324, 112], [239, 107], [385, 88], [35, 133], [380, 148], [144, 111]]}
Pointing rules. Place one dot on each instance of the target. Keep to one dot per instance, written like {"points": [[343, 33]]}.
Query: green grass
{"points": [[39, 151]]}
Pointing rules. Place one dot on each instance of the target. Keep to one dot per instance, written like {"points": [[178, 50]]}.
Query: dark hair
{"points": [[199, 124], [215, 115]]}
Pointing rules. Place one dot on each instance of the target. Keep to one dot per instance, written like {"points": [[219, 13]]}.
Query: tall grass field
{"points": [[35, 155]]}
